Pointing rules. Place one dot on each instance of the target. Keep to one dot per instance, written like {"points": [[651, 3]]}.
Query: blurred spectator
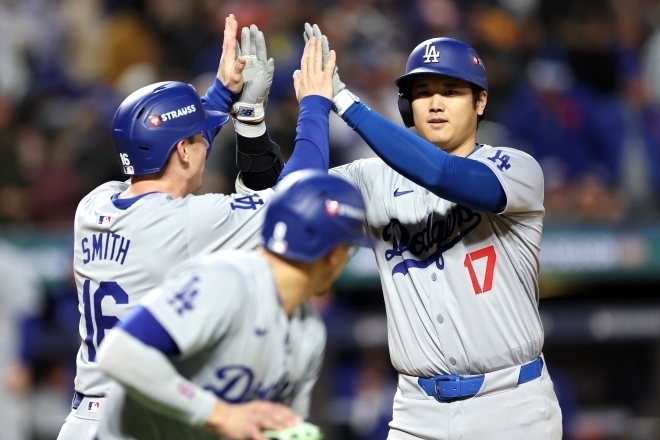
{"points": [[363, 394], [567, 113], [20, 297]]}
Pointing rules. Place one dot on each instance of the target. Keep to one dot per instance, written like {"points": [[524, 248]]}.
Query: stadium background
{"points": [[576, 83]]}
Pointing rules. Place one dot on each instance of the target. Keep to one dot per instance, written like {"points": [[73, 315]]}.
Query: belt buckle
{"points": [[447, 387]]}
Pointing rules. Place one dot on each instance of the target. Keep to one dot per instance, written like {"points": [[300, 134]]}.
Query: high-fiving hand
{"points": [[230, 70], [257, 76], [315, 31], [313, 78]]}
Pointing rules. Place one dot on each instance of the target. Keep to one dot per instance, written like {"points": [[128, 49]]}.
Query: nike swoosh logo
{"points": [[260, 331], [398, 193]]}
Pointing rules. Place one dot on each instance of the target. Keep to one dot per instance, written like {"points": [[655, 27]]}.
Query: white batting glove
{"points": [[315, 31], [302, 431], [257, 77]]}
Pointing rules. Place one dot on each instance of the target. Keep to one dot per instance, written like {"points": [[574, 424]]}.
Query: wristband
{"points": [[342, 101]]}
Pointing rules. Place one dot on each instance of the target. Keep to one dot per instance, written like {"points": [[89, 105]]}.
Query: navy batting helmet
{"points": [[152, 120], [442, 56], [311, 213]]}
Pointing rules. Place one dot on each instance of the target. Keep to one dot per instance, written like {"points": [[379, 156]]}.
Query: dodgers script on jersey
{"points": [[224, 314], [460, 286], [124, 248]]}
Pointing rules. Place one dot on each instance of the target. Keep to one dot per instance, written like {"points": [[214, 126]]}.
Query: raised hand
{"points": [[313, 79], [257, 77], [315, 31], [230, 69]]}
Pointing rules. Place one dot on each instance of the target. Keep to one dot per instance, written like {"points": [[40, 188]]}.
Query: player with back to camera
{"points": [[129, 235], [458, 230], [236, 326]]}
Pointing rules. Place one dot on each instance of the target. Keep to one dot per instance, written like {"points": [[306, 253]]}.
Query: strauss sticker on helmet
{"points": [[183, 111], [334, 208], [477, 61]]}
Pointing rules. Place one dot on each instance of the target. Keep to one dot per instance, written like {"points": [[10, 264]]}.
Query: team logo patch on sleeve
{"points": [[503, 159]]}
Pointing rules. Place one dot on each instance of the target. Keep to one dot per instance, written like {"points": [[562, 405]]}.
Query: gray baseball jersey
{"points": [[124, 248], [460, 286], [224, 314]]}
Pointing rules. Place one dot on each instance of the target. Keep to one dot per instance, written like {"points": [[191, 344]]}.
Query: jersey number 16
{"points": [[94, 317]]}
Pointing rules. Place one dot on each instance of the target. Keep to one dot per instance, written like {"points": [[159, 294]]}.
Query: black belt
{"points": [[78, 397]]}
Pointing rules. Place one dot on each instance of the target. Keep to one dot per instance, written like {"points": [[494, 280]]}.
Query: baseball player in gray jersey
{"points": [[458, 231], [224, 337], [129, 235]]}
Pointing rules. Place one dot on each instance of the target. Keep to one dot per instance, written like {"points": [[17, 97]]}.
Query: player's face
{"points": [[444, 111], [197, 151]]}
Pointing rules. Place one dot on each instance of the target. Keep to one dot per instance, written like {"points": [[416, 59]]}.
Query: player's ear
{"points": [[338, 256], [482, 100], [182, 151]]}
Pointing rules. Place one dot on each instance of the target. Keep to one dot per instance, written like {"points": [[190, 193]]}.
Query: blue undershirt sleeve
{"points": [[458, 179], [218, 98], [312, 145], [142, 325]]}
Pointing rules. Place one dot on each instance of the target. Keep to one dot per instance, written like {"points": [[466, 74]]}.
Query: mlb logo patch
{"points": [[155, 121], [93, 406], [105, 220], [129, 170]]}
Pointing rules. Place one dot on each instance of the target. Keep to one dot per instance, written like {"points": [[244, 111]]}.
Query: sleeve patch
{"points": [[503, 160], [249, 201]]}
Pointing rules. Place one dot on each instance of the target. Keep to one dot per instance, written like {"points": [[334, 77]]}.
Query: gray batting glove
{"points": [[315, 31], [257, 77]]}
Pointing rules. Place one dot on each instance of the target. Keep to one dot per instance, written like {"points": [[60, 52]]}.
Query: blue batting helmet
{"points": [[311, 213], [441, 56], [152, 120]]}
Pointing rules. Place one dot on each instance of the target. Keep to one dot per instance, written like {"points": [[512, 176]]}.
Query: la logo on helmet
{"points": [[431, 55]]}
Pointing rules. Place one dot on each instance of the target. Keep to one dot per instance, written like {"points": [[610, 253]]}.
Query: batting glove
{"points": [[302, 431], [315, 31], [257, 77]]}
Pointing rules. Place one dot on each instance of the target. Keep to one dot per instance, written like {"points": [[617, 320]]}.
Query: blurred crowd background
{"points": [[575, 83]]}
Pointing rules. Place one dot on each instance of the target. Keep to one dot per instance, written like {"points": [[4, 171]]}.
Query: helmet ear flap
{"points": [[405, 109]]}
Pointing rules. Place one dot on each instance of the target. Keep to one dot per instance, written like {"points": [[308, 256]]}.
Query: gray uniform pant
{"points": [[82, 423], [502, 410]]}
